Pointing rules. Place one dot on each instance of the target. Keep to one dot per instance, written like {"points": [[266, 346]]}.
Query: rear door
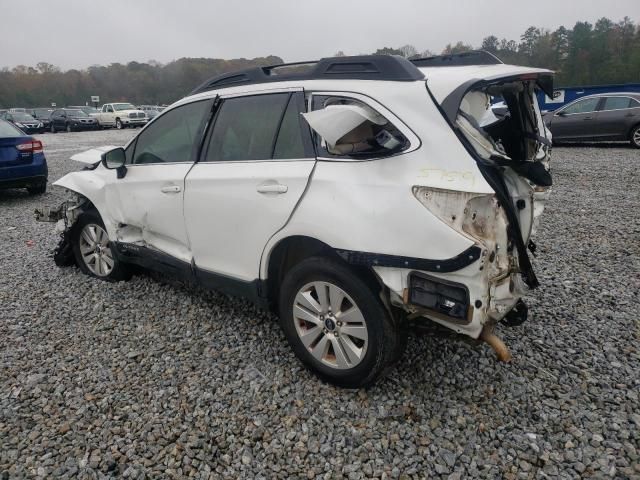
{"points": [[254, 168], [617, 115], [577, 121]]}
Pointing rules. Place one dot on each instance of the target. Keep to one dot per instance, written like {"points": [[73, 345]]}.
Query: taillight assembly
{"points": [[30, 146]]}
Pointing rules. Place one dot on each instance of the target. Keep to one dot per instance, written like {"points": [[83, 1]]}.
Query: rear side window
{"points": [[616, 103], [289, 143], [347, 127], [172, 137], [583, 106]]}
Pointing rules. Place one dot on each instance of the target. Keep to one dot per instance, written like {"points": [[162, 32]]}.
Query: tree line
{"points": [[587, 54]]}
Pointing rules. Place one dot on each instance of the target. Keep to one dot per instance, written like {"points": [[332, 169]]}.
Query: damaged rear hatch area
{"points": [[512, 151]]}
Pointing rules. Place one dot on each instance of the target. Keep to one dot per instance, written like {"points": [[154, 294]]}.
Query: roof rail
{"points": [[362, 67], [474, 57]]}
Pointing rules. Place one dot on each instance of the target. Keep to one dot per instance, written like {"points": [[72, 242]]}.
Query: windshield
{"points": [[22, 117], [76, 113], [7, 130], [89, 110], [123, 106], [42, 113]]}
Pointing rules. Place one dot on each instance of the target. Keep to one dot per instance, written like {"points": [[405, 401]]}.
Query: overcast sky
{"points": [[79, 33]]}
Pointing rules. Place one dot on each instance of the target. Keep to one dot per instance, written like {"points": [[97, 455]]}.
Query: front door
{"points": [[252, 173], [148, 202], [576, 121]]}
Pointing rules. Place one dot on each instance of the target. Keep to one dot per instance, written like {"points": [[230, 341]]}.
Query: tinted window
{"points": [[633, 103], [245, 128], [583, 106], [616, 103], [8, 130], [289, 143], [171, 138]]}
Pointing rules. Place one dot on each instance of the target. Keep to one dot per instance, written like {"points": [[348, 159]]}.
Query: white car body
{"points": [[112, 113], [428, 209]]}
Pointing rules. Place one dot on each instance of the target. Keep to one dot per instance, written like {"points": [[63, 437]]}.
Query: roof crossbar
{"points": [[362, 67], [474, 57]]}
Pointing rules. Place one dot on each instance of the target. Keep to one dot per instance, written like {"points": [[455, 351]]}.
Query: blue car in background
{"points": [[22, 161]]}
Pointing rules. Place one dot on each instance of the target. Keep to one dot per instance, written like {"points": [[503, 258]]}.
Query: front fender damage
{"points": [[65, 217]]}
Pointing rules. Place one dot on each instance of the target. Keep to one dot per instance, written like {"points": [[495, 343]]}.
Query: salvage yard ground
{"points": [[149, 379]]}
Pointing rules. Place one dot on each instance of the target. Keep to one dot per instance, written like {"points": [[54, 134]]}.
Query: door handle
{"points": [[272, 188], [588, 118], [171, 189]]}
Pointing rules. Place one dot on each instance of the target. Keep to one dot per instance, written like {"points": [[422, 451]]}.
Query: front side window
{"points": [[583, 106], [350, 128], [616, 103], [173, 137]]}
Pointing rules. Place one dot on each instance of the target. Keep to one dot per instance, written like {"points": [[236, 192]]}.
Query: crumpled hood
{"points": [[92, 156]]}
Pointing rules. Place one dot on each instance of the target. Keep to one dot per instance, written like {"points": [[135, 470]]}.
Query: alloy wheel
{"points": [[95, 250], [636, 137], [330, 325]]}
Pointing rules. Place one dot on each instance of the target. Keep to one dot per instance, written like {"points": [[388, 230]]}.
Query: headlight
{"points": [[40, 125]]}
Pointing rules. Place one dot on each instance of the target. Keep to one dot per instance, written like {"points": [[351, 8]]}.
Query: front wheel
{"points": [[69, 128], [52, 128], [119, 124], [635, 136], [336, 324], [93, 250]]}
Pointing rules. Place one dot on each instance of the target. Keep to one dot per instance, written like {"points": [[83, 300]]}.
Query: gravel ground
{"points": [[148, 379]]}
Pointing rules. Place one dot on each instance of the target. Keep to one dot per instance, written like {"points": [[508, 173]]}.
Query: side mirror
{"points": [[562, 114], [115, 160]]}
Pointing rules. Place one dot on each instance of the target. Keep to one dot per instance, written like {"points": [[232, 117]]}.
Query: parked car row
{"points": [[79, 117]]}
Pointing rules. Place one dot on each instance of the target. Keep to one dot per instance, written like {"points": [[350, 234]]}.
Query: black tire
{"points": [[383, 342], [119, 124], [69, 128], [37, 189], [53, 128], [120, 270], [635, 136]]}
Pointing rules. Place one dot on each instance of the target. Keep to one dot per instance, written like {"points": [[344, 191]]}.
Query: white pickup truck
{"points": [[121, 115]]}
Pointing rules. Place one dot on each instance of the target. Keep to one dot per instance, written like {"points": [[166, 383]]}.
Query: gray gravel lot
{"points": [[149, 379]]}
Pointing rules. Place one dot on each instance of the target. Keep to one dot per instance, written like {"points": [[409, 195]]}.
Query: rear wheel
{"points": [[37, 189], [635, 136], [93, 250], [336, 324]]}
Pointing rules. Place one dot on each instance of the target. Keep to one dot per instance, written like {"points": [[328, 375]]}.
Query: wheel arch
{"points": [[291, 250], [91, 192]]}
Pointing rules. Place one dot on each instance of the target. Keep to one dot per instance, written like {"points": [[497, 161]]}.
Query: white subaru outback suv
{"points": [[351, 195]]}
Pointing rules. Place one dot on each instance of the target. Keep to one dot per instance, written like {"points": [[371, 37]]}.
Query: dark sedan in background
{"points": [[71, 120], [42, 114], [22, 161], [23, 121], [603, 117]]}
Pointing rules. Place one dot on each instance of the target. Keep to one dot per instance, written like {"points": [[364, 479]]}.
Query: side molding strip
{"points": [[458, 262]]}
